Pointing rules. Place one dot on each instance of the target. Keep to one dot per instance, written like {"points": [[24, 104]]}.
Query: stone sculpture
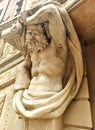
{"points": [[52, 73]]}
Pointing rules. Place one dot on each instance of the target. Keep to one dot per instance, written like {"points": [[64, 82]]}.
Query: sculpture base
{"points": [[45, 124]]}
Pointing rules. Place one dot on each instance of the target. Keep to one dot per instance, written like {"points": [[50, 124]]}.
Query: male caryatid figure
{"points": [[53, 69]]}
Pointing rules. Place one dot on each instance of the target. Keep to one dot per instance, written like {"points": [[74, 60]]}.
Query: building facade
{"points": [[79, 115]]}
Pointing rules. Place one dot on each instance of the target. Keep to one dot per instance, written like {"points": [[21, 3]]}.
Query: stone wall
{"points": [[78, 115], [90, 60]]}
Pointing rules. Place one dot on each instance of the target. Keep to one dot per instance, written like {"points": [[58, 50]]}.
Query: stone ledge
{"points": [[9, 64], [78, 114], [74, 128], [9, 119]]}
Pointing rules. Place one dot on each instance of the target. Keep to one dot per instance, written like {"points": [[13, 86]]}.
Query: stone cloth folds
{"points": [[53, 104]]}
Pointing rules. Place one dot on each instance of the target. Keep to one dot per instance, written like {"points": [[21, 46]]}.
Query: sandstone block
{"points": [[78, 114]]}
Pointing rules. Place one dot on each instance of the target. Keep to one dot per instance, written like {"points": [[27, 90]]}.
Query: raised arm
{"points": [[50, 13]]}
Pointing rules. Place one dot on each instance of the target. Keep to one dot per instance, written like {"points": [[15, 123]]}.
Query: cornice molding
{"points": [[11, 64], [70, 5], [6, 84], [8, 77]]}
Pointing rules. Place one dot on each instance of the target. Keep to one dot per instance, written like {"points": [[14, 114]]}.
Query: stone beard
{"points": [[36, 39]]}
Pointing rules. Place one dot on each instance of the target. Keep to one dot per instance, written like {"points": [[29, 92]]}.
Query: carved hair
{"points": [[36, 38]]}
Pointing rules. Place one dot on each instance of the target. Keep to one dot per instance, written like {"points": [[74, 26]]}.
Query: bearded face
{"points": [[35, 38]]}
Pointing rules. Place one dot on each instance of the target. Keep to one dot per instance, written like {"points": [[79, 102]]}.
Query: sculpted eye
{"points": [[29, 33]]}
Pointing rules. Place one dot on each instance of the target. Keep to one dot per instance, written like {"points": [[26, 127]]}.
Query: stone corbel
{"points": [[15, 35]]}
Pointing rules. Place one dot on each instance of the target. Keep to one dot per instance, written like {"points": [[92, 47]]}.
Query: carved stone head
{"points": [[36, 39]]}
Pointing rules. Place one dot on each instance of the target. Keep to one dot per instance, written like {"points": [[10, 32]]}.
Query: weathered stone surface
{"points": [[84, 91], [78, 114], [74, 128], [8, 52], [2, 99], [84, 21], [90, 59], [85, 66], [9, 75], [9, 119], [45, 124], [19, 124], [5, 90], [9, 56]]}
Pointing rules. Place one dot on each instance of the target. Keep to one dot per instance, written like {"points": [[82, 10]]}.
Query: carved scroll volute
{"points": [[15, 35]]}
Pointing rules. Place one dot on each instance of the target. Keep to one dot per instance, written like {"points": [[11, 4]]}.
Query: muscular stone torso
{"points": [[47, 66]]}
